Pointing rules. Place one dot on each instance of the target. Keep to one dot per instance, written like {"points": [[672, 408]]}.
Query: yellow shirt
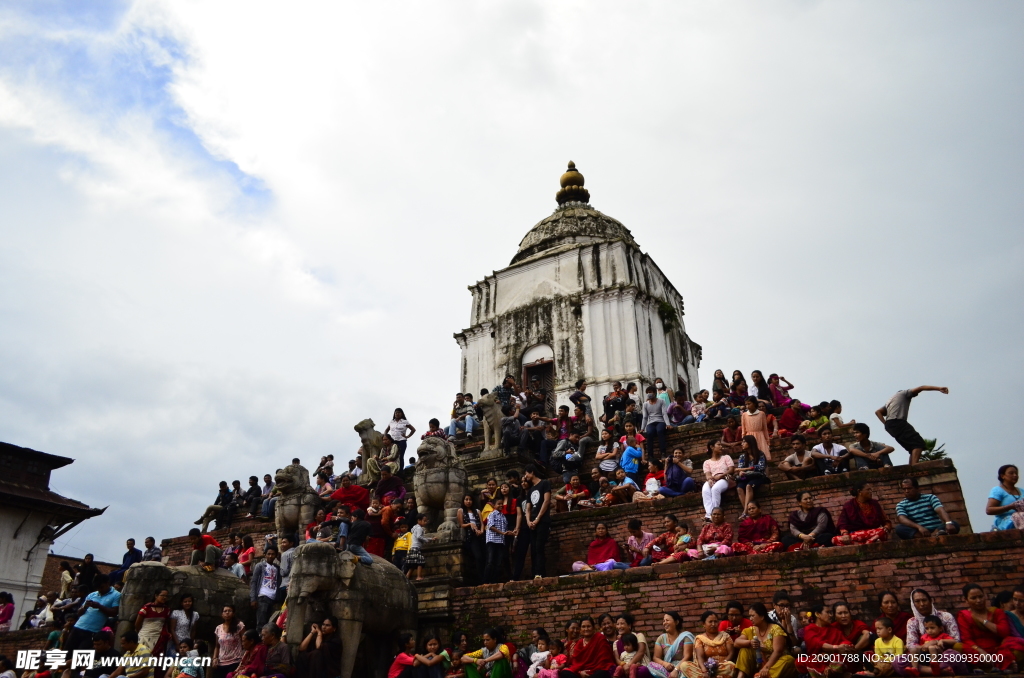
{"points": [[141, 669], [486, 511], [403, 543], [893, 647]]}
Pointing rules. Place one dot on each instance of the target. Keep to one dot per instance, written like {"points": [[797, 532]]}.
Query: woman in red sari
{"points": [[889, 604], [758, 533], [351, 495], [986, 630], [790, 419], [823, 638], [604, 547], [591, 653], [862, 521], [853, 629]]}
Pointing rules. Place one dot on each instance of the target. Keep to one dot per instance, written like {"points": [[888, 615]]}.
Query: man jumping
{"points": [[894, 416]]}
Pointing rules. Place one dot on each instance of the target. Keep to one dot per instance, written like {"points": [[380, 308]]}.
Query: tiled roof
{"points": [[24, 495]]}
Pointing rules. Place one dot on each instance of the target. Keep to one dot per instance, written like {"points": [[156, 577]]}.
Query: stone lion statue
{"points": [[440, 482], [371, 440], [298, 503], [491, 407]]}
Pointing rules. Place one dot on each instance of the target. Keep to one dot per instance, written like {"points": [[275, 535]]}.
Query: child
{"points": [[456, 670], [816, 421], [415, 558], [887, 646], [538, 658], [631, 458], [406, 658], [627, 669], [556, 662], [403, 542], [935, 641], [834, 419]]}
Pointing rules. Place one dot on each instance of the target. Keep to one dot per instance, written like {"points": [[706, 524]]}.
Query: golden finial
{"points": [[572, 187]]}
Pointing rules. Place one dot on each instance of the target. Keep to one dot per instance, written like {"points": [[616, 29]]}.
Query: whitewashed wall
{"points": [[19, 577]]}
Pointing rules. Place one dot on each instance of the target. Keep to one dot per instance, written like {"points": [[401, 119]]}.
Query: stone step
{"points": [[572, 532]]}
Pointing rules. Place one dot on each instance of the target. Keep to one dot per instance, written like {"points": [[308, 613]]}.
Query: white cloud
{"points": [[230, 231]]}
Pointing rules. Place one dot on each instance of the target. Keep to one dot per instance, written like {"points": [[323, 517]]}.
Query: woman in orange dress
{"points": [[754, 422]]}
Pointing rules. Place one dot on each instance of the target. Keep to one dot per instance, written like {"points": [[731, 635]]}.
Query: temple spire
{"points": [[572, 187]]}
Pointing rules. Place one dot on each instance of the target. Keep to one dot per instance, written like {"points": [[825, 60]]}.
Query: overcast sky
{"points": [[229, 231]]}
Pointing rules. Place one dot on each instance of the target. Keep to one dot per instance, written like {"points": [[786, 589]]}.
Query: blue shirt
{"points": [[1004, 521], [922, 511], [629, 460], [94, 619]]}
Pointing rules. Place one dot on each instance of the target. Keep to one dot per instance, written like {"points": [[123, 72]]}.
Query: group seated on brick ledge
{"points": [[766, 639]]}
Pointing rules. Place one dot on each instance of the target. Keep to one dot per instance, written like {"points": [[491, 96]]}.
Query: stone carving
{"points": [[210, 591], [491, 407], [377, 600], [371, 440], [298, 503], [440, 482]]}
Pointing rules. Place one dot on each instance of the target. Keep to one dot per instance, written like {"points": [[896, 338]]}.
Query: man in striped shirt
{"points": [[921, 515]]}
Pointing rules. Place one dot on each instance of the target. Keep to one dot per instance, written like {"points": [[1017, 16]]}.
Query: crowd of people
{"points": [[759, 639], [509, 520]]}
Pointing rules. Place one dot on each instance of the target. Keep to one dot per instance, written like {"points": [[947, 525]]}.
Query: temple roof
{"points": [[574, 222]]}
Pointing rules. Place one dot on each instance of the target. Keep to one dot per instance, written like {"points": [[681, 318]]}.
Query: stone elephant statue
{"points": [[210, 592], [440, 481], [376, 600]]}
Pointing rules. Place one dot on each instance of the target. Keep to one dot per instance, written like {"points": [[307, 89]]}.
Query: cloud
{"points": [[231, 231]]}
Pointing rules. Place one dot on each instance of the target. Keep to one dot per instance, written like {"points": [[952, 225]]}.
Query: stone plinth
{"points": [[211, 591]]}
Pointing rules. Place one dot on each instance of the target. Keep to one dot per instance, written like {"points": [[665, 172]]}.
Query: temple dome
{"points": [[573, 223], [576, 224]]}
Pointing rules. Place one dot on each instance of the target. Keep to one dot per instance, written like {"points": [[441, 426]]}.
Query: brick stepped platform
{"points": [[693, 438], [572, 532], [942, 565]]}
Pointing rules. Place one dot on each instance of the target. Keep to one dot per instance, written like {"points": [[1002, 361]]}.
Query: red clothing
{"points": [[732, 435], [979, 640], [659, 476], [854, 632], [253, 662], [760, 530], [582, 488], [855, 517], [601, 550], [715, 534], [667, 542], [401, 661], [592, 654], [354, 495], [815, 637], [726, 625], [790, 421], [207, 541]]}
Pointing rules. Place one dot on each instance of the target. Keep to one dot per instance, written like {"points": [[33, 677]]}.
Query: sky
{"points": [[230, 231]]}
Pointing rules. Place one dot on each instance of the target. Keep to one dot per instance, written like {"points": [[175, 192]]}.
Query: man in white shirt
{"points": [[355, 466], [266, 580], [894, 416], [830, 457]]}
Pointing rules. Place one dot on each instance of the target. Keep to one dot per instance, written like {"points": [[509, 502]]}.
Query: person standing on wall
{"points": [[894, 416], [537, 511], [400, 431]]}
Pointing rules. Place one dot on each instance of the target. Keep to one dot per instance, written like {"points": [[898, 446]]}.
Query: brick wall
{"points": [[10, 643], [572, 532], [942, 565], [178, 551], [51, 571]]}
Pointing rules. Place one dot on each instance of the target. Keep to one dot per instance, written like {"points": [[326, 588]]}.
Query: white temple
{"points": [[579, 300]]}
